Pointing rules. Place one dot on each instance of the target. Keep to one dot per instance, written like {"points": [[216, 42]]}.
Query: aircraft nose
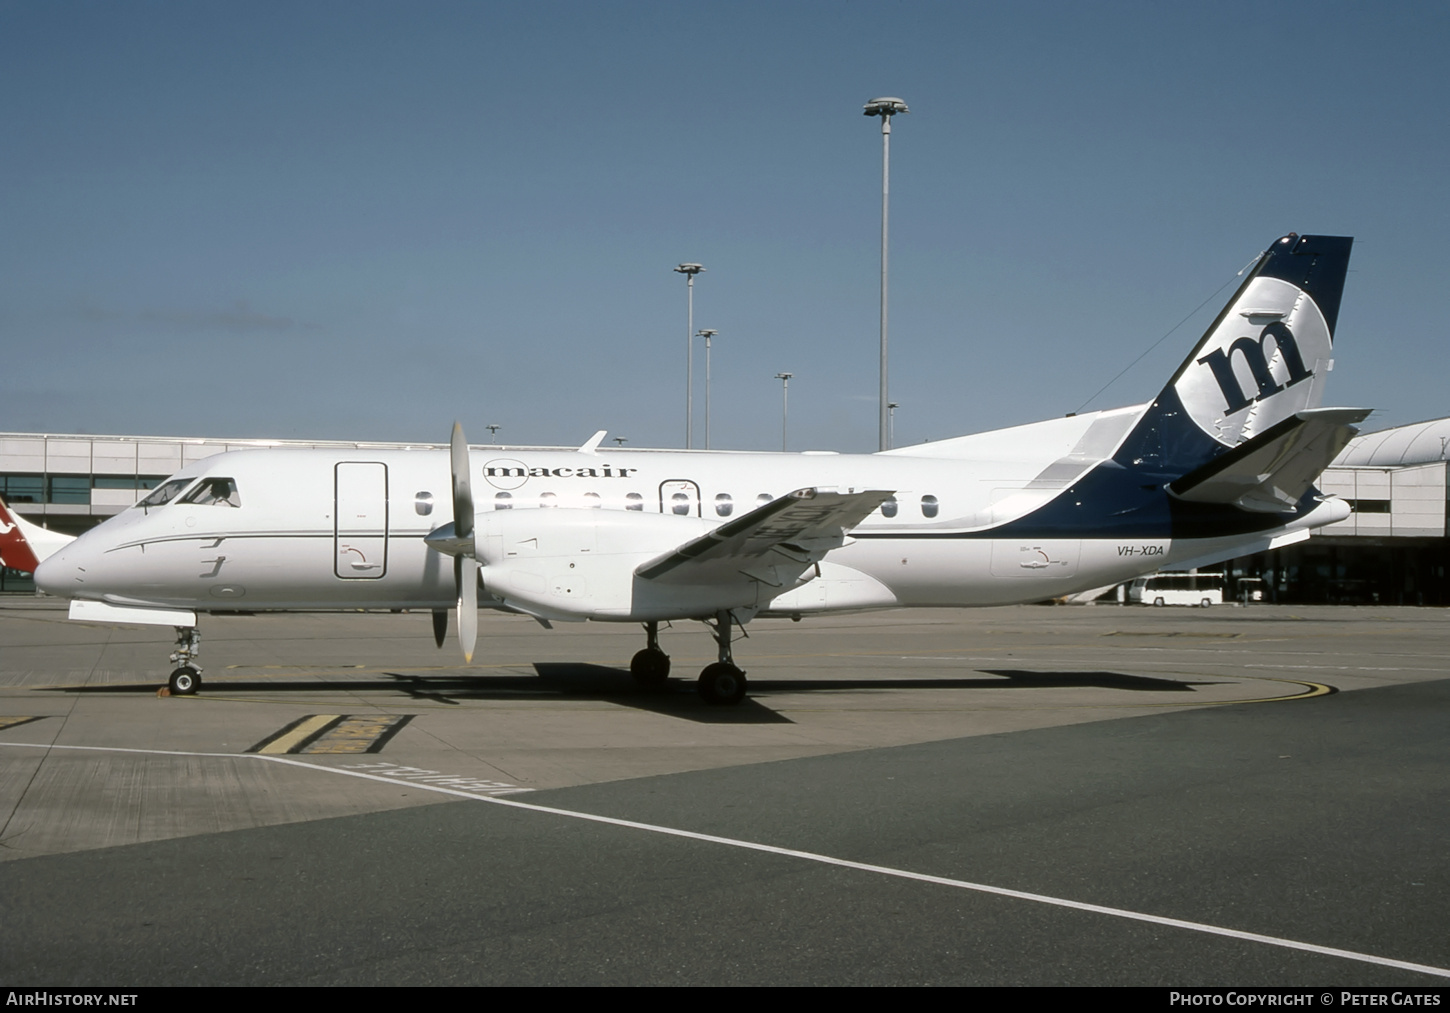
{"points": [[59, 574]]}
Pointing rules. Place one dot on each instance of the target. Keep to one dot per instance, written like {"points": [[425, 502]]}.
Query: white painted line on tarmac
{"points": [[1343, 668], [809, 856]]}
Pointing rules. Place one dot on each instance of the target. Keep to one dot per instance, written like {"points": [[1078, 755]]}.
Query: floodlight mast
{"points": [[707, 333], [885, 108], [689, 271], [784, 379]]}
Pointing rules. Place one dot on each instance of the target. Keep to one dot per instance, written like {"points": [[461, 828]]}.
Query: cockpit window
{"points": [[215, 492], [165, 492]]}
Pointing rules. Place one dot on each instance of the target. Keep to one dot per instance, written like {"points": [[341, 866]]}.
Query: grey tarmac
{"points": [[1276, 771]]}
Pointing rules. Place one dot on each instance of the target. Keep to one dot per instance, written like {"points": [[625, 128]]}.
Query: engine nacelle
{"points": [[571, 564]]}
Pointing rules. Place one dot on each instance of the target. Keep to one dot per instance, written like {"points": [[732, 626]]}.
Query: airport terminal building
{"points": [[1392, 548]]}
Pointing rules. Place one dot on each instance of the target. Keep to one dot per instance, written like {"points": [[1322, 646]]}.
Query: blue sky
{"points": [[363, 220]]}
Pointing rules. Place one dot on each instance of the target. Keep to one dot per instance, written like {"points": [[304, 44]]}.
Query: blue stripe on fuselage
{"points": [[1114, 501]]}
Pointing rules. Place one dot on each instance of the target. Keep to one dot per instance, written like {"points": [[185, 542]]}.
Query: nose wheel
{"points": [[722, 682], [184, 681], [186, 677]]}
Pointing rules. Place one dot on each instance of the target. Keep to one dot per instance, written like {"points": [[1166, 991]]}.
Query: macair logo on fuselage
{"points": [[1256, 358], [510, 474]]}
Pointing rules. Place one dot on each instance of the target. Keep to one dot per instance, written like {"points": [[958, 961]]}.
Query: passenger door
{"points": [[361, 520]]}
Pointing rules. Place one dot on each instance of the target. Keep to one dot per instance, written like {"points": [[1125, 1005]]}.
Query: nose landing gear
{"points": [[186, 679]]}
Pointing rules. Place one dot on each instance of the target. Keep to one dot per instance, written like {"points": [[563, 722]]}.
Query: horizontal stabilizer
{"points": [[1271, 472], [794, 531]]}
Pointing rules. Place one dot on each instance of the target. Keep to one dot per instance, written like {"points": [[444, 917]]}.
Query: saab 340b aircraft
{"points": [[1221, 463]]}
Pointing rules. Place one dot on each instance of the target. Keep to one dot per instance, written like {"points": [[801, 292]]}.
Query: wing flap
{"points": [[1271, 472], [790, 533]]}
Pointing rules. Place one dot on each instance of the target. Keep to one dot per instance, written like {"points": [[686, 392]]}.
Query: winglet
{"points": [[592, 444]]}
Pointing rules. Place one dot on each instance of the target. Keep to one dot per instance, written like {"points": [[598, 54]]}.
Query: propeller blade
{"points": [[466, 569], [462, 489], [440, 626], [459, 543]]}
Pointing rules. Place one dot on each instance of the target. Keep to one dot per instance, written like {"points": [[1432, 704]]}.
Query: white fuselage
{"points": [[561, 534]]}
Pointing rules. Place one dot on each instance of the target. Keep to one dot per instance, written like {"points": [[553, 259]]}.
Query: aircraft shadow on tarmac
{"points": [[676, 699]]}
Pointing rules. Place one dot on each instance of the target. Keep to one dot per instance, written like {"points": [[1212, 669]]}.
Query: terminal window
{"points": [[22, 488], [70, 489]]}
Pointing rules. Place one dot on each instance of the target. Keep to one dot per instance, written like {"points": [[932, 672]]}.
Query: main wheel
{"points": [[722, 684], [1158, 602], [185, 681], [650, 668], [1206, 604]]}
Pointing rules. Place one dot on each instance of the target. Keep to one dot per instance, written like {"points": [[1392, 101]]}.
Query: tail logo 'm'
{"points": [[1220, 361], [1237, 385]]}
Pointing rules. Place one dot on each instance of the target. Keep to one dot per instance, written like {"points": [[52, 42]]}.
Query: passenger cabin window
{"points": [[215, 492], [763, 499], [928, 506], [634, 501], [888, 508], [423, 504], [592, 500], [548, 499], [501, 501], [165, 493], [723, 506], [681, 503]]}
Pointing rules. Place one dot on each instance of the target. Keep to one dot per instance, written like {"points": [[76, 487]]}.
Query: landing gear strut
{"points": [[651, 666], [186, 679], [722, 682]]}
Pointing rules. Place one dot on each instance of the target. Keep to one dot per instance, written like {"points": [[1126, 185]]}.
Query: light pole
{"points": [[885, 108], [493, 432], [621, 440], [689, 271], [784, 379], [707, 334], [891, 427]]}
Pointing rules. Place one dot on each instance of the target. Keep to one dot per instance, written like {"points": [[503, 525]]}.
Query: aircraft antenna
{"points": [[1170, 331]]}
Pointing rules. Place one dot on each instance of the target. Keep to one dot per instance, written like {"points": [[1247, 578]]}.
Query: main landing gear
{"points": [[186, 679], [651, 666], [720, 683]]}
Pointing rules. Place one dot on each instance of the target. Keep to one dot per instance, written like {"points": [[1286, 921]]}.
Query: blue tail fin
{"points": [[1261, 360]]}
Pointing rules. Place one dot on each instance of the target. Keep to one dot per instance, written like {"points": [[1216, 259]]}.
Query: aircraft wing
{"points": [[790, 533], [1272, 471]]}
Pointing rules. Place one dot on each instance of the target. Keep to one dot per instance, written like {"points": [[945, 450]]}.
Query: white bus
{"points": [[1203, 589]]}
